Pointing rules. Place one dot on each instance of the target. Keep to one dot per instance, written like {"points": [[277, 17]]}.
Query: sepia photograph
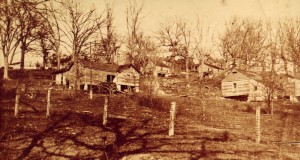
{"points": [[149, 79]]}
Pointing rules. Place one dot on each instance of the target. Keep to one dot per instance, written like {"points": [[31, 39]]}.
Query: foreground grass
{"points": [[209, 128]]}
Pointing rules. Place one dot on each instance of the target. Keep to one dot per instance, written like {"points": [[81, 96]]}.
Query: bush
{"points": [[248, 108]]}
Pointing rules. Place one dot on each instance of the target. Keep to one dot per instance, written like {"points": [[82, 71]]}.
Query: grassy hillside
{"points": [[207, 126]]}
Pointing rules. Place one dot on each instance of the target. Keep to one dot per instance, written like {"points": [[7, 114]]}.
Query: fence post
{"points": [[172, 118], [203, 111], [272, 107], [48, 102], [17, 102], [105, 111], [91, 93], [258, 132]]}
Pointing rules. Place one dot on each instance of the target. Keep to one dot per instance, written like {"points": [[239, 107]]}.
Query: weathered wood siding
{"points": [[84, 77], [128, 77], [235, 88], [60, 79], [297, 87], [257, 91]]}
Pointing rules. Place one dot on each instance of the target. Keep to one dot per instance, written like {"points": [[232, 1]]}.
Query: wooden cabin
{"points": [[159, 69], [90, 74], [291, 86], [244, 85]]}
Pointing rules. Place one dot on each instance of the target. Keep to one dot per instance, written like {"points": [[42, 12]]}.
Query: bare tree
{"points": [[109, 42], [177, 35], [292, 39], [53, 18], [243, 43], [80, 26], [29, 17], [273, 52], [45, 39], [133, 20], [201, 49], [8, 32]]}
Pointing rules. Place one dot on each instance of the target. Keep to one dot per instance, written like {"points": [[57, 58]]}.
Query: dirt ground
{"points": [[210, 128]]}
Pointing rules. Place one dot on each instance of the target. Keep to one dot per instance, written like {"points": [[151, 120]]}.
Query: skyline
{"points": [[212, 13]]}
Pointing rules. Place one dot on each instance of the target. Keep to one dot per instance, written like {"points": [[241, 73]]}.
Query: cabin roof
{"points": [[235, 75], [109, 67], [213, 66], [63, 70], [126, 66]]}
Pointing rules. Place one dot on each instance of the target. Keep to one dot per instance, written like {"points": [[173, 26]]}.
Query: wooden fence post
{"points": [[17, 102], [203, 111], [91, 93], [258, 131], [172, 118], [272, 107], [48, 102], [105, 111]]}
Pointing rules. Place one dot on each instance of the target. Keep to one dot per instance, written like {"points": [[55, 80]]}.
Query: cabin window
{"points": [[255, 88], [110, 78], [62, 79], [234, 72], [234, 87]]}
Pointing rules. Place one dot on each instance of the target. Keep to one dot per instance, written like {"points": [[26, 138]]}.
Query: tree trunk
{"points": [[58, 60], [6, 66], [187, 68], [76, 67], [23, 50]]}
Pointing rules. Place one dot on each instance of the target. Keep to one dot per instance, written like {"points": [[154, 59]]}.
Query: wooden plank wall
{"points": [[297, 88], [242, 88]]}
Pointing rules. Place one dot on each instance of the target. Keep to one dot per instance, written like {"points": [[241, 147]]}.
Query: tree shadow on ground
{"points": [[87, 138]]}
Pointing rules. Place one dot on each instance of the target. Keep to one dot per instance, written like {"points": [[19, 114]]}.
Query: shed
{"points": [[125, 76], [243, 84], [159, 69], [291, 85]]}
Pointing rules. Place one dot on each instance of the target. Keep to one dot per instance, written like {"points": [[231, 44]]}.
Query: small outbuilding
{"points": [[159, 69], [291, 86], [244, 85], [90, 74], [252, 85]]}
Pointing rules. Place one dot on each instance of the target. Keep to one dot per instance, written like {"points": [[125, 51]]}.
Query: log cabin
{"points": [[158, 69], [250, 86], [245, 85], [90, 74], [291, 85]]}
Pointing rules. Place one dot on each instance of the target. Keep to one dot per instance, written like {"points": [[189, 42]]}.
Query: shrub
{"points": [[248, 108]]}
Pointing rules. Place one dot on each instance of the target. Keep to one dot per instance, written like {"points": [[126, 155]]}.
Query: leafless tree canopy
{"points": [[177, 35], [243, 43], [110, 41], [79, 27]]}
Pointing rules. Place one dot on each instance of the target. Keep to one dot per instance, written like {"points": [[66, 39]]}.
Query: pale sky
{"points": [[212, 13]]}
